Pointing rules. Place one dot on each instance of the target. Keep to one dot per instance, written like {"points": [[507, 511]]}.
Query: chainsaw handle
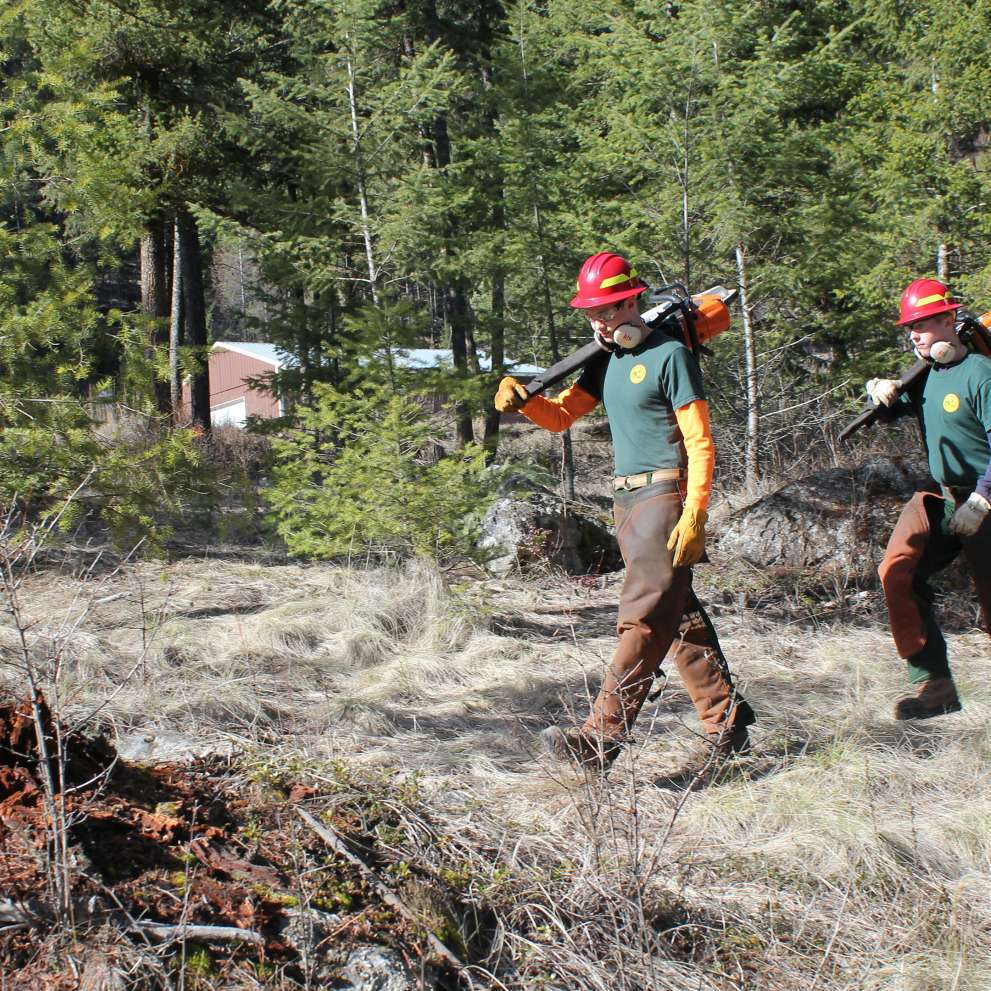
{"points": [[565, 367], [578, 359], [906, 380]]}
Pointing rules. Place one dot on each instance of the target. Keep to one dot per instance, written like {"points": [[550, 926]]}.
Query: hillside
{"points": [[400, 707]]}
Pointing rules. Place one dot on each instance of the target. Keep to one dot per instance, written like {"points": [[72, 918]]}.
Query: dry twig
{"points": [[334, 841]]}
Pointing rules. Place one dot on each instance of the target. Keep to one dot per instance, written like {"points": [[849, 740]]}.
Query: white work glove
{"points": [[883, 392], [967, 520]]}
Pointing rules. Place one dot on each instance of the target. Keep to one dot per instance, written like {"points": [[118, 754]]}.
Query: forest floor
{"points": [[398, 708]]}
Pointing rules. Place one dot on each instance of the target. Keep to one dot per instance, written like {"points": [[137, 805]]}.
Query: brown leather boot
{"points": [[935, 697], [712, 757], [580, 749]]}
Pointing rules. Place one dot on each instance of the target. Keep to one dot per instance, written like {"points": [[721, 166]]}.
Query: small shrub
{"points": [[356, 476], [130, 480]]}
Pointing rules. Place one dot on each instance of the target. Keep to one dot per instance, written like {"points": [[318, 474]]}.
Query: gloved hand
{"points": [[883, 392], [687, 540], [510, 395], [967, 520]]}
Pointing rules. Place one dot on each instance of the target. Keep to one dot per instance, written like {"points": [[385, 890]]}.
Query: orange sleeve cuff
{"points": [[693, 420], [559, 413]]}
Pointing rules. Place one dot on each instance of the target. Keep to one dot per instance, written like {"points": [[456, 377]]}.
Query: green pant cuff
{"points": [[930, 662], [917, 675]]}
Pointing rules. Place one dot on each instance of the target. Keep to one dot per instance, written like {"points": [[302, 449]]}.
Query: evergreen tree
{"points": [[433, 172], [133, 99], [924, 120]]}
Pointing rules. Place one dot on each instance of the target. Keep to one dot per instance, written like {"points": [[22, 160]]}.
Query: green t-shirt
{"points": [[640, 390], [956, 418]]}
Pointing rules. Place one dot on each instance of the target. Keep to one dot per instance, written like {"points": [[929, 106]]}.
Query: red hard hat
{"points": [[925, 298], [606, 278]]}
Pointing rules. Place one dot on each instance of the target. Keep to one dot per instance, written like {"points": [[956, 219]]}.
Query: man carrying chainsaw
{"points": [[651, 387], [953, 404]]}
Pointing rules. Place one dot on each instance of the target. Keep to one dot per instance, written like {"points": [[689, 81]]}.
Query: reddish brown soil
{"points": [[198, 844]]}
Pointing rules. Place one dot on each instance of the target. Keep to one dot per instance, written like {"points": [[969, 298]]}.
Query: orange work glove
{"points": [[687, 540], [510, 396]]}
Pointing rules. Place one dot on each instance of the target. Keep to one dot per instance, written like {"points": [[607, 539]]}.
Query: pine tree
{"points": [[923, 126], [135, 99]]}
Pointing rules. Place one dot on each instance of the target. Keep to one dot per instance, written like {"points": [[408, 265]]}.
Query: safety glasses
{"points": [[604, 313]]}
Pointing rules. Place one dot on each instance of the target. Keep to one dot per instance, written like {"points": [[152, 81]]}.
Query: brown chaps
{"points": [[660, 615], [918, 548]]}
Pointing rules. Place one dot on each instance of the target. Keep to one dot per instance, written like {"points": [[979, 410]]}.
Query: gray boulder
{"points": [[164, 746], [309, 932], [377, 968], [529, 525], [835, 519]]}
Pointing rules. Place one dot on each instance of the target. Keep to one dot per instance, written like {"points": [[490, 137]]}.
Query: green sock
{"points": [[930, 662]]}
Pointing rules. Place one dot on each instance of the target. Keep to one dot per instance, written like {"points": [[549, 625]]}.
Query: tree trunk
{"points": [[497, 342], [155, 302], [437, 155], [194, 304], [359, 168], [943, 262], [942, 250], [497, 335], [686, 228], [567, 451], [751, 456], [175, 329], [366, 223], [456, 300], [456, 305]]}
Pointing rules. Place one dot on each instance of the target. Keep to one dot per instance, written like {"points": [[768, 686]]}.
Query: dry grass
{"points": [[851, 852]]}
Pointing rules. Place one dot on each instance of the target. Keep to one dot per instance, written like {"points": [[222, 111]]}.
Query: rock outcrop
{"points": [[529, 525], [835, 519]]}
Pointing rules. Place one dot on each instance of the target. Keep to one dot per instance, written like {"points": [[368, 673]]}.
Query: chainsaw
{"points": [[693, 319]]}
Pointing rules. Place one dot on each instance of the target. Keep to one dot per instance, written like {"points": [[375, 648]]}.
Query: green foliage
{"points": [[432, 174], [199, 967], [47, 317], [53, 459], [356, 476], [133, 483]]}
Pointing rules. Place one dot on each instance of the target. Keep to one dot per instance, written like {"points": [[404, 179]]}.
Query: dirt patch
{"points": [[154, 851]]}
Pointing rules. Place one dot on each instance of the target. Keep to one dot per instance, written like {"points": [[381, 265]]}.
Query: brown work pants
{"points": [[918, 548], [660, 614]]}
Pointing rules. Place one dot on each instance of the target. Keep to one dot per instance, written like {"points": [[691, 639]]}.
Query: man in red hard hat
{"points": [[651, 388], [954, 407]]}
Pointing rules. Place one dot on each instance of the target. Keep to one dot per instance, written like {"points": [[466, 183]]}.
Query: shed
{"points": [[419, 359], [232, 365]]}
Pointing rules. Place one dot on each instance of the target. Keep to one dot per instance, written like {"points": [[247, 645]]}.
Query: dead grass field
{"points": [[850, 852]]}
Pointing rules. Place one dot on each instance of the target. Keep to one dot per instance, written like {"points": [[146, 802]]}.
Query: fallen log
{"points": [[15, 916]]}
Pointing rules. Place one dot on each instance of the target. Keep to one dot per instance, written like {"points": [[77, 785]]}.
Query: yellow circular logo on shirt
{"points": [[951, 402], [638, 373]]}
